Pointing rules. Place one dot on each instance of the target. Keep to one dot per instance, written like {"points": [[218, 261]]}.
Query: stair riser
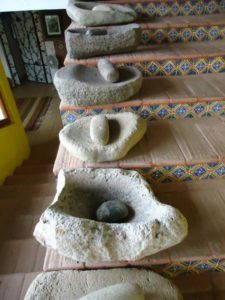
{"points": [[151, 112], [179, 173], [173, 67], [178, 67], [182, 34], [177, 8]]}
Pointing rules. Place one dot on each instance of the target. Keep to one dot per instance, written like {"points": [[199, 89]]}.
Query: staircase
{"points": [[182, 59]]}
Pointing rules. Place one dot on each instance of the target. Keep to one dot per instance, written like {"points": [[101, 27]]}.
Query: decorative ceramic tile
{"points": [[178, 8], [190, 66], [153, 112], [8, 55], [162, 174], [190, 267], [180, 34]]}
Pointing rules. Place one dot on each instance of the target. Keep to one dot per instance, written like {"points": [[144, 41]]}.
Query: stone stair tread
{"points": [[171, 90], [24, 206], [17, 227], [166, 143], [32, 178], [34, 169], [27, 191], [161, 52], [205, 239], [21, 256]]}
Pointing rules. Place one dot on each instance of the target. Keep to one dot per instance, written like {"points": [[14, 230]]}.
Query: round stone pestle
{"points": [[99, 130], [103, 7], [112, 211], [107, 70]]}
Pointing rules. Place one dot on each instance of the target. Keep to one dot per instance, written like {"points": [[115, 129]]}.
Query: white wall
{"points": [[23, 5]]}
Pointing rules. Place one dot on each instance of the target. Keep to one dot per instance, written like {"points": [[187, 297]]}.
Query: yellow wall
{"points": [[14, 147]]}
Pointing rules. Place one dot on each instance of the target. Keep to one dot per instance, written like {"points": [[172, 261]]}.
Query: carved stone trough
{"points": [[78, 85], [69, 224], [95, 14], [84, 42]]}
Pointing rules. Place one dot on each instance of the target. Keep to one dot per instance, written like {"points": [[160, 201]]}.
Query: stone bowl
{"points": [[71, 284], [82, 13], [79, 85], [70, 227], [119, 39], [125, 131]]}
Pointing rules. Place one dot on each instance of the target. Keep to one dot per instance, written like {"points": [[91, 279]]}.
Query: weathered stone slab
{"points": [[69, 225], [78, 85], [125, 130], [95, 14], [71, 285], [84, 42]]}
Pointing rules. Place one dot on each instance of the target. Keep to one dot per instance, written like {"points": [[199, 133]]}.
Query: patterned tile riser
{"points": [[178, 8], [153, 112], [179, 34], [190, 267], [189, 66], [177, 173]]}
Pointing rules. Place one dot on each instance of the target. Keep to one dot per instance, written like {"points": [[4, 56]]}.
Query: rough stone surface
{"points": [[112, 211], [122, 291], [68, 225], [125, 130], [71, 285], [78, 85], [99, 130], [92, 14], [88, 42], [107, 70]]}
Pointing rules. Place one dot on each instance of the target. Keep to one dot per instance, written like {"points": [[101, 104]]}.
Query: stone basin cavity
{"points": [[68, 225], [95, 14]]}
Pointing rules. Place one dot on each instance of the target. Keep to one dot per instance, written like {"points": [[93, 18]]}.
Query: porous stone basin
{"points": [[79, 85], [119, 39], [125, 130], [71, 285], [68, 225], [83, 13]]}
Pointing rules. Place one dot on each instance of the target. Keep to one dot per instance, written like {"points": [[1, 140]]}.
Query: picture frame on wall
{"points": [[52, 24]]}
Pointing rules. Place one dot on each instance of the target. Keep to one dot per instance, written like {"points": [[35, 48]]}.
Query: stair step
{"points": [[158, 8], [171, 59], [21, 256], [33, 179], [24, 206], [34, 169], [14, 286], [205, 286], [179, 28], [162, 98], [27, 191], [171, 150], [19, 227], [203, 249]]}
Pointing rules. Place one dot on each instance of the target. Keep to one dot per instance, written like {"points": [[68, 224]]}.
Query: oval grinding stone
{"points": [[99, 130]]}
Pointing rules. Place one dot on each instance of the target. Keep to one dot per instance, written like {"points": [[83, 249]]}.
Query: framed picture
{"points": [[52, 24]]}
